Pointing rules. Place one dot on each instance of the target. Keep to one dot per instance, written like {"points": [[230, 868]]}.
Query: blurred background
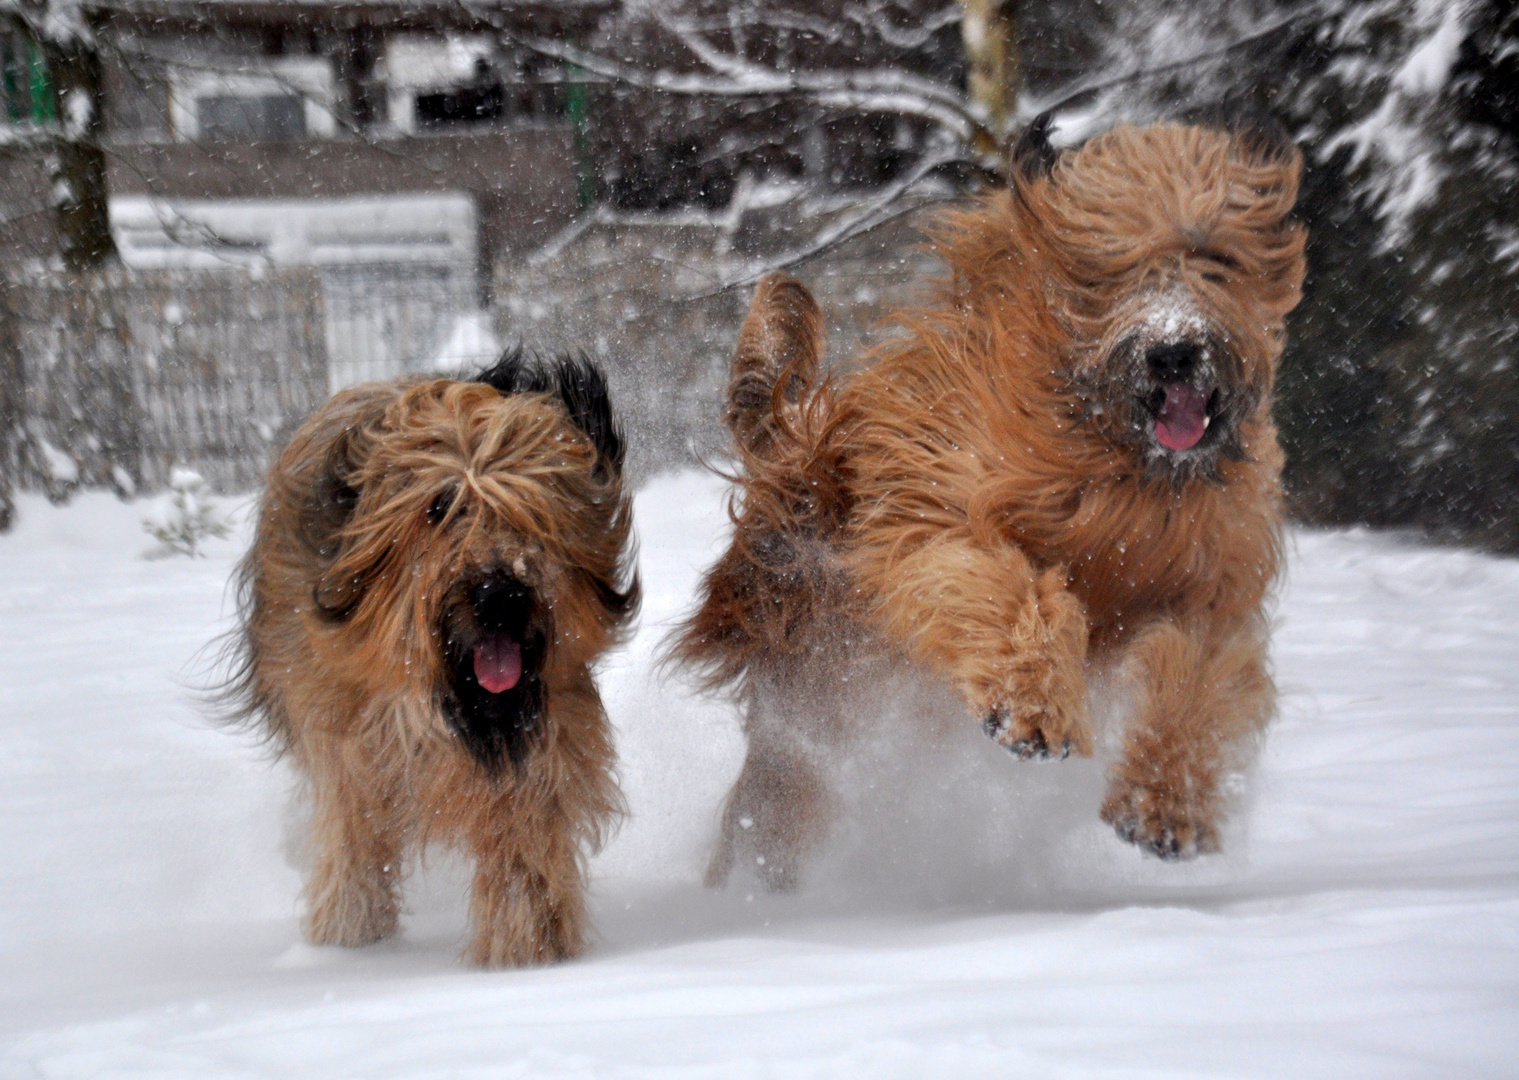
{"points": [[215, 213]]}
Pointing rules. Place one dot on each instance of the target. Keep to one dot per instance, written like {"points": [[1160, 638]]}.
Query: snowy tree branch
{"points": [[727, 74], [1066, 98], [724, 68], [872, 16], [885, 206]]}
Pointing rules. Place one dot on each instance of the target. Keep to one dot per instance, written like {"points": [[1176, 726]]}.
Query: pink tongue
{"points": [[1183, 418], [498, 664]]}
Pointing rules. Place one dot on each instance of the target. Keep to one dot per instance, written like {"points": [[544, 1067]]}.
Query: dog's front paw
{"points": [[1027, 740], [1160, 822], [350, 912], [518, 920], [496, 947], [1053, 730], [1033, 700]]}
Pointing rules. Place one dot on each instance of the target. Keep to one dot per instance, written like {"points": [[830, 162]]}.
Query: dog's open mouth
{"points": [[1183, 417], [1180, 394], [495, 633], [498, 663]]}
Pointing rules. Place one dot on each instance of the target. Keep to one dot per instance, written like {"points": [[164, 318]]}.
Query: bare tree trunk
{"points": [[78, 162], [11, 396], [992, 78]]}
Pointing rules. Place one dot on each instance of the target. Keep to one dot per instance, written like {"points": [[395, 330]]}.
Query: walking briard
{"points": [[1064, 464], [437, 564]]}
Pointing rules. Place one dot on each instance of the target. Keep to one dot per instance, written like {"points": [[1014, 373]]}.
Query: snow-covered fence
{"points": [[124, 374], [389, 319], [641, 296]]}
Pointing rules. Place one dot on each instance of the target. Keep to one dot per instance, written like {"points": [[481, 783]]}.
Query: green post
{"points": [[576, 107], [41, 86]]}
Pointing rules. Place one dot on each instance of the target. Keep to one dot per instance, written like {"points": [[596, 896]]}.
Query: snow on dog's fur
{"points": [[1068, 461], [437, 565]]}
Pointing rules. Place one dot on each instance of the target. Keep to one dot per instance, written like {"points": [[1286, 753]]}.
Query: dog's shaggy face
{"points": [[1180, 265], [469, 541]]}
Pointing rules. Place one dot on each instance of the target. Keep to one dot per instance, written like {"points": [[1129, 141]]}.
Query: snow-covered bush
{"points": [[60, 473], [185, 517]]}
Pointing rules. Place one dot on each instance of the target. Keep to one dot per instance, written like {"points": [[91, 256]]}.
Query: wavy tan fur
{"points": [[451, 480], [986, 498]]}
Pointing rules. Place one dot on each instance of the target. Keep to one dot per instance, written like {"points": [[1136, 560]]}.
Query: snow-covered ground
{"points": [[974, 919]]}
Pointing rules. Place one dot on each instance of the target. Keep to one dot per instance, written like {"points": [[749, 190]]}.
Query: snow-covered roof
{"points": [[284, 7], [545, 15], [433, 229]]}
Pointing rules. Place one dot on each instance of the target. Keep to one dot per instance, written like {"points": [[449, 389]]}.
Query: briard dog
{"points": [[437, 564], [1065, 464]]}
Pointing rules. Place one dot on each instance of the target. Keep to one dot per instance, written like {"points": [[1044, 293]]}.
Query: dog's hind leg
{"points": [[351, 892], [778, 813], [1202, 697], [774, 603]]}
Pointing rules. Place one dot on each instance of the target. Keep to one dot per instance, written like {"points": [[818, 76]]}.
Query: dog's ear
{"points": [[329, 499], [1032, 155], [338, 594], [511, 374], [582, 387], [579, 384], [777, 357], [326, 510]]}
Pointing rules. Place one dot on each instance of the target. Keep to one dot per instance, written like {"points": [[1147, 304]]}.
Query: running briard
{"points": [[437, 564], [1064, 464]]}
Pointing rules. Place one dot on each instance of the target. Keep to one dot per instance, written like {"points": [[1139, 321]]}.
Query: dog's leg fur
{"points": [[1202, 695], [351, 893], [526, 836], [1012, 638], [779, 809], [526, 906], [778, 614]]}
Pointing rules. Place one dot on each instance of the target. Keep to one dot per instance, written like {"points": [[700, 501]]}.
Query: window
{"points": [[228, 118], [465, 105], [441, 83], [253, 100]]}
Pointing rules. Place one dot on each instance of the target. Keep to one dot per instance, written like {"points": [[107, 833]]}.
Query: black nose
{"points": [[1173, 362], [501, 604]]}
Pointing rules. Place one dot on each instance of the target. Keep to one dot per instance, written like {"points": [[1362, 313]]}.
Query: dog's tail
{"points": [[780, 575], [776, 364]]}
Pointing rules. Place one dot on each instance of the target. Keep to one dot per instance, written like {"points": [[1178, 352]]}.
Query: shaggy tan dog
{"points": [[436, 566], [1066, 462]]}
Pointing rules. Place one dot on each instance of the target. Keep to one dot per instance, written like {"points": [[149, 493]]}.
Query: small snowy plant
{"points": [[185, 517]]}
